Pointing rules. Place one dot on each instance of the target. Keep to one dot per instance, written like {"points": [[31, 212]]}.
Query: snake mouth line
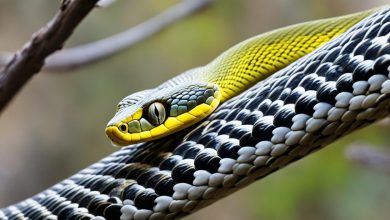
{"points": [[114, 134]]}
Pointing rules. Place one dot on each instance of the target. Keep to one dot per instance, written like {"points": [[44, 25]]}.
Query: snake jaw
{"points": [[112, 132]]}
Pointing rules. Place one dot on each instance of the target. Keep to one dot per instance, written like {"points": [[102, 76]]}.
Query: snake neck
{"points": [[245, 64], [254, 59]]}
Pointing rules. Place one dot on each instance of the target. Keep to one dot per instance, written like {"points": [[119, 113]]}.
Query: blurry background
{"points": [[55, 125]]}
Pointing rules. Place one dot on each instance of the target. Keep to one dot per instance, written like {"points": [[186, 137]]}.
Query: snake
{"points": [[261, 105], [195, 94]]}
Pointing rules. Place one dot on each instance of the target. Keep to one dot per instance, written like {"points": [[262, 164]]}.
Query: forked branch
{"points": [[17, 69]]}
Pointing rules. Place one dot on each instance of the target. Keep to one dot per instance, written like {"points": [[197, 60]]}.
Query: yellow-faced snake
{"points": [[301, 107]]}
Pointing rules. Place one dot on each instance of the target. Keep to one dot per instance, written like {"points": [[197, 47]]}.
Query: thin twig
{"points": [[80, 56], [369, 157], [30, 59]]}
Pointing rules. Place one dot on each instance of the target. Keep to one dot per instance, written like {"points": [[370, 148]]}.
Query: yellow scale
{"points": [[258, 57]]}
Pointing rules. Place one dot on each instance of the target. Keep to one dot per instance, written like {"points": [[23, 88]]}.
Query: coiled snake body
{"points": [[339, 87]]}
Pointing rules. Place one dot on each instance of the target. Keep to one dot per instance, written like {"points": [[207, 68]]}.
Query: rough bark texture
{"points": [[30, 59]]}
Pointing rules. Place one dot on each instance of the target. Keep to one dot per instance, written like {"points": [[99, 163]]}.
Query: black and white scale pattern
{"points": [[337, 89]]}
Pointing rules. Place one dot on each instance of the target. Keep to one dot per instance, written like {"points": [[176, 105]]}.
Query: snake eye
{"points": [[156, 113], [123, 127]]}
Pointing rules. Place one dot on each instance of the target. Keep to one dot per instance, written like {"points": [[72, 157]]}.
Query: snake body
{"points": [[195, 94], [339, 87]]}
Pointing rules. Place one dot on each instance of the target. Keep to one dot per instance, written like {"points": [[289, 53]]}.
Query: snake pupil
{"points": [[156, 113]]}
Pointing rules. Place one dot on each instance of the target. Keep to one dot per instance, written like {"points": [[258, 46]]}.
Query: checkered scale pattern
{"points": [[342, 86]]}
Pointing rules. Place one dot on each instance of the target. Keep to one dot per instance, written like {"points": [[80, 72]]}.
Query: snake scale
{"points": [[340, 87]]}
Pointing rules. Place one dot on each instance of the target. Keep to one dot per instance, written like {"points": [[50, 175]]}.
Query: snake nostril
{"points": [[123, 127]]}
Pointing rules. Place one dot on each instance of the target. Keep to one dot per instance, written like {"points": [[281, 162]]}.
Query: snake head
{"points": [[152, 114]]}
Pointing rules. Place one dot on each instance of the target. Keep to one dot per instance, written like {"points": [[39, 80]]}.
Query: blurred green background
{"points": [[55, 125]]}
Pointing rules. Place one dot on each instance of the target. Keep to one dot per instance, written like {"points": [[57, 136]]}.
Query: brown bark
{"points": [[30, 59]]}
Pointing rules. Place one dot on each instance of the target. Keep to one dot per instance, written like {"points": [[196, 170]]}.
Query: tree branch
{"points": [[368, 156], [30, 59], [89, 53]]}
